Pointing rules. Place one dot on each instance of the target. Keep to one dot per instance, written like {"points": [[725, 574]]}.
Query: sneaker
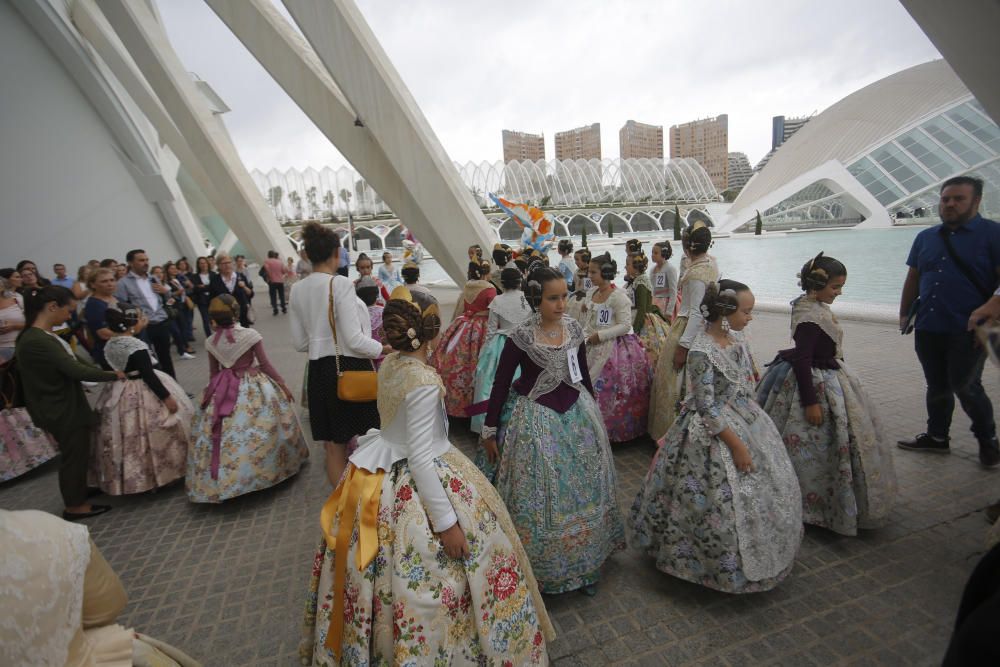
{"points": [[989, 452], [274, 313], [925, 443], [187, 355]]}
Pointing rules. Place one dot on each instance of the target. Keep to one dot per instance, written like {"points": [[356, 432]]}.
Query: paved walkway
{"points": [[227, 583]]}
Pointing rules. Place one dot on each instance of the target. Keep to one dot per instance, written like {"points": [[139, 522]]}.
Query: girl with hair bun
{"points": [[648, 321], [720, 505], [615, 355], [506, 311], [566, 265], [545, 447], [581, 285], [458, 353], [141, 442], [663, 276], [415, 537], [668, 380], [830, 426], [246, 435]]}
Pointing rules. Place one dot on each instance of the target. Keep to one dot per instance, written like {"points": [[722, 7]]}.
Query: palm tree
{"points": [[677, 223], [328, 202], [313, 205], [345, 196], [274, 196], [296, 200]]}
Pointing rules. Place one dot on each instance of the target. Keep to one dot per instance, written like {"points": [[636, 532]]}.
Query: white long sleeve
{"points": [[694, 292], [671, 289], [300, 334], [621, 311], [423, 410], [310, 323]]}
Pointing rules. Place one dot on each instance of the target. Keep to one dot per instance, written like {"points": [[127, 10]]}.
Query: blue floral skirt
{"points": [[486, 370]]}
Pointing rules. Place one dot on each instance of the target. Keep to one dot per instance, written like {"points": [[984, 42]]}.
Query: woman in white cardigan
{"points": [[334, 422]]}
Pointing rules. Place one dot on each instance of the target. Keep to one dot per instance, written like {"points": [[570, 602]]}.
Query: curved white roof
{"points": [[858, 123]]}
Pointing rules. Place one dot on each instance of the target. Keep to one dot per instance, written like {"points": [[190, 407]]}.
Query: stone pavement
{"points": [[227, 583]]}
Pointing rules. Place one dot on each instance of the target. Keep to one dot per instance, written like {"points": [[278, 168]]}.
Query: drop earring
{"points": [[725, 324]]}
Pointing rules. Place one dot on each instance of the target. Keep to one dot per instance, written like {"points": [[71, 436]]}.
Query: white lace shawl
{"points": [[41, 589], [734, 362], [120, 348], [806, 309], [552, 360], [229, 353], [506, 312]]}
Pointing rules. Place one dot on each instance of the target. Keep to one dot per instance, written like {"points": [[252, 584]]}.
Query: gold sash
{"points": [[364, 489]]}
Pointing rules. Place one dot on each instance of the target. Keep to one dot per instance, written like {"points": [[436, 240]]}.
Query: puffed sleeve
{"points": [[621, 310], [702, 375], [423, 411], [694, 292]]}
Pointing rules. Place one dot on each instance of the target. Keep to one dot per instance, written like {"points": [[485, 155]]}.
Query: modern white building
{"points": [[877, 157]]}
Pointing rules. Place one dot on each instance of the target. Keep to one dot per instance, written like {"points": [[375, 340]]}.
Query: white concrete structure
{"points": [[82, 174], [879, 154]]}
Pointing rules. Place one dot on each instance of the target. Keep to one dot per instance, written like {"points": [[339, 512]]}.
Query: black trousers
{"points": [[205, 321], [953, 366], [158, 337], [74, 459], [276, 291]]}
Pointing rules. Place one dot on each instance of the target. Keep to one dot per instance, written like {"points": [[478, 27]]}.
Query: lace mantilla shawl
{"points": [[734, 362], [119, 349], [228, 353], [704, 270], [41, 590], [397, 377], [552, 360], [805, 309], [511, 306]]}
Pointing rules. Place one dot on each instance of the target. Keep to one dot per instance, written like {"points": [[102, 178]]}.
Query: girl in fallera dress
{"points": [[567, 266], [141, 442], [364, 266], [545, 445], [246, 435], [388, 273], [668, 380], [720, 505], [663, 276], [648, 321], [421, 563], [503, 258], [830, 426], [506, 312], [581, 285], [368, 291], [455, 358], [617, 361]]}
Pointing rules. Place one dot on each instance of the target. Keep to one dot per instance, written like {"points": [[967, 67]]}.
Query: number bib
{"points": [[604, 315], [660, 281], [575, 375], [588, 284]]}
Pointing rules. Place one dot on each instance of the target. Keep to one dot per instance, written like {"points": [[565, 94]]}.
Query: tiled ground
{"points": [[226, 583]]}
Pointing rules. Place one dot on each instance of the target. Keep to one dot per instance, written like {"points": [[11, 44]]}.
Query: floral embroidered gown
{"points": [[556, 472], [647, 318], [618, 366], [246, 435], [402, 600], [506, 312], [138, 445], [844, 465], [668, 383], [457, 352], [702, 519]]}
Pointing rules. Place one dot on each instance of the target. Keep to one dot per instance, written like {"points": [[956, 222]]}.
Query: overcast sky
{"points": [[477, 67]]}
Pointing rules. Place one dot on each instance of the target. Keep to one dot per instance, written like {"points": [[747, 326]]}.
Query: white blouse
{"points": [[311, 325]]}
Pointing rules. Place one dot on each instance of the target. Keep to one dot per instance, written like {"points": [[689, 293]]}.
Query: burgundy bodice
{"points": [[813, 349]]}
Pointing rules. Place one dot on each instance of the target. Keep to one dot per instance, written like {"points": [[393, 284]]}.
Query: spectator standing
{"points": [[11, 318], [954, 269], [303, 267], [61, 278], [274, 272], [174, 303], [50, 378], [201, 281], [144, 291], [228, 281], [27, 266], [79, 288], [344, 261], [102, 285], [183, 276]]}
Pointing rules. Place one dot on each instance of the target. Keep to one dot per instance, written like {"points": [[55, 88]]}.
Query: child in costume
{"points": [[581, 285], [566, 265], [663, 276], [369, 291], [720, 505], [648, 321], [830, 426]]}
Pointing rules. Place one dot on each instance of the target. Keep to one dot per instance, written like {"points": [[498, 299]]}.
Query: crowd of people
{"points": [[429, 555]]}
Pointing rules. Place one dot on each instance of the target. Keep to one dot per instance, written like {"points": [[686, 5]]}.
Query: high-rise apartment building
{"points": [[581, 143], [740, 171], [523, 146], [636, 140], [707, 141], [781, 130]]}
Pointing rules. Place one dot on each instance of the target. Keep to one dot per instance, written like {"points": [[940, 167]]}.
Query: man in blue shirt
{"points": [[61, 278], [144, 292], [949, 291]]}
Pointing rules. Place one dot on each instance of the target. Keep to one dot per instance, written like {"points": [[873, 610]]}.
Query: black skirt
{"points": [[329, 417]]}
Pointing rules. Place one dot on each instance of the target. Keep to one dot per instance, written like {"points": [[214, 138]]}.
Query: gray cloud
{"points": [[477, 67]]}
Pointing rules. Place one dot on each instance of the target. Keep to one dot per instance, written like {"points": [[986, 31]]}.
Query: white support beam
{"points": [[363, 72], [245, 210]]}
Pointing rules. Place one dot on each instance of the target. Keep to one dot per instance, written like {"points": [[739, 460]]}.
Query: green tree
{"points": [[759, 227], [328, 201], [274, 196], [583, 237], [677, 223], [313, 204]]}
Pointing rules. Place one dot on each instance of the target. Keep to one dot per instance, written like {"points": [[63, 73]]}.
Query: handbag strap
{"points": [[963, 267], [333, 328]]}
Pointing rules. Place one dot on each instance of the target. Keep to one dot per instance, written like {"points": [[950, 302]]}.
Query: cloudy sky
{"points": [[477, 67]]}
